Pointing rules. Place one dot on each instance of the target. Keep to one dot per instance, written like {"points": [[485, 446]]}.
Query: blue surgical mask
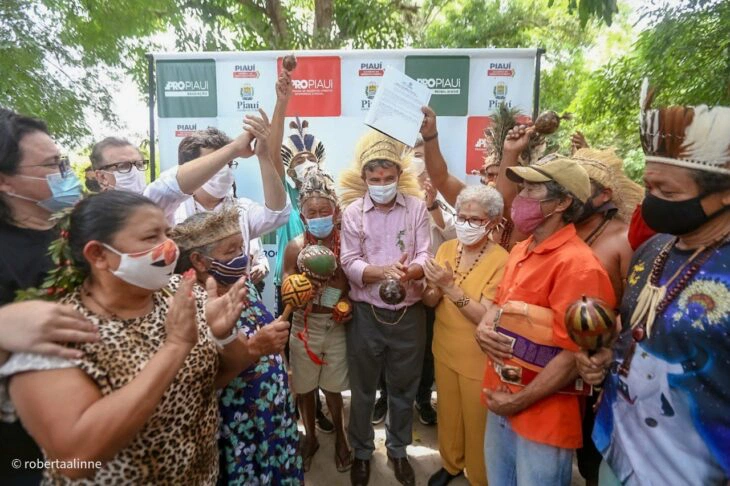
{"points": [[65, 191], [228, 273], [321, 227], [383, 194]]}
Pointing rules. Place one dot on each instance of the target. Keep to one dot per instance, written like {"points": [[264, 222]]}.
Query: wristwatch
{"points": [[222, 343]]}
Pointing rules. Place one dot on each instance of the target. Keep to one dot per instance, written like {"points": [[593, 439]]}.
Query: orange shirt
{"points": [[554, 274]]}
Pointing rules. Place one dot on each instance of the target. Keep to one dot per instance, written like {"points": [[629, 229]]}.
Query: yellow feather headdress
{"points": [[606, 168], [377, 146]]}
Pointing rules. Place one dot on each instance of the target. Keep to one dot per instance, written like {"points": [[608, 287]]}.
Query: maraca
{"points": [[392, 291], [296, 292], [317, 262], [591, 324], [289, 62]]}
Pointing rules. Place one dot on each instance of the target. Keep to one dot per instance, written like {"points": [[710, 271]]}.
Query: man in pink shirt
{"points": [[385, 235]]}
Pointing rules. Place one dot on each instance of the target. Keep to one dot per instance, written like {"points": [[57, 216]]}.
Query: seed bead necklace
{"points": [[654, 298], [461, 276]]}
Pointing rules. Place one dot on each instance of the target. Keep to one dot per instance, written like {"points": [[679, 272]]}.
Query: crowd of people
{"points": [[133, 333]]}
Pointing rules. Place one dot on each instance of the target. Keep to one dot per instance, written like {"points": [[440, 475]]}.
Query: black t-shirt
{"points": [[24, 262], [24, 259]]}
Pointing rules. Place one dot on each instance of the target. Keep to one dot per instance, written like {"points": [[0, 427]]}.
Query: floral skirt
{"points": [[258, 436]]}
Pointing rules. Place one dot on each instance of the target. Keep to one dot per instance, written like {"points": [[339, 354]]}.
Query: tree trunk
{"points": [[323, 14], [273, 10]]}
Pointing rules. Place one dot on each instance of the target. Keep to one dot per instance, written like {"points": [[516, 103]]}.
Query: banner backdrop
{"points": [[333, 90]]}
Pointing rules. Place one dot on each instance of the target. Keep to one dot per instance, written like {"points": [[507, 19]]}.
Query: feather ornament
{"points": [[695, 137]]}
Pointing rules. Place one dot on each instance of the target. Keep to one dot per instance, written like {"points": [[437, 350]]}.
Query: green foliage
{"points": [[686, 56], [64, 277], [601, 9], [56, 55]]}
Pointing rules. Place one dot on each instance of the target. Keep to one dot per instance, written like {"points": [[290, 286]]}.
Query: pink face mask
{"points": [[527, 214]]}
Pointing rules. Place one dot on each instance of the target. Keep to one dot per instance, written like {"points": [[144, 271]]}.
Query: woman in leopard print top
{"points": [[142, 400]]}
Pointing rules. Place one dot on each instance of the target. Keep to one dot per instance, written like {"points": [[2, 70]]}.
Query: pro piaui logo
{"points": [[313, 86], [442, 86], [195, 89]]}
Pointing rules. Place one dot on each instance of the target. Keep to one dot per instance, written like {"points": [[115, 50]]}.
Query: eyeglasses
{"points": [[126, 167], [233, 164], [60, 162], [472, 222], [484, 173]]}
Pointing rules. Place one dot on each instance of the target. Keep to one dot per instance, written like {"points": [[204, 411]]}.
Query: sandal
{"points": [[307, 459], [343, 465]]}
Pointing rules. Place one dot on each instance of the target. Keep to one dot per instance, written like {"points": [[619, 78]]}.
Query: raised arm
{"points": [[274, 194], [515, 142], [283, 92], [191, 176], [67, 414], [448, 185]]}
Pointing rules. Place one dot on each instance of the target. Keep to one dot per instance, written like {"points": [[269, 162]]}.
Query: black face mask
{"points": [[588, 210], [674, 217]]}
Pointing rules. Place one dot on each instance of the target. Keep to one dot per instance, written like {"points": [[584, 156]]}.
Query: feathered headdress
{"points": [[695, 137], [606, 168], [377, 146], [317, 183], [301, 141], [503, 120]]}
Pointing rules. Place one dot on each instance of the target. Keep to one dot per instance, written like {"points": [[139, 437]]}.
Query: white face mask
{"points": [[220, 185], [150, 269], [418, 165], [469, 236], [132, 181], [383, 194]]}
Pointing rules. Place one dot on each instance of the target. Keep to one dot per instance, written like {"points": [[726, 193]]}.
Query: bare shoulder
{"points": [[617, 227], [294, 246]]}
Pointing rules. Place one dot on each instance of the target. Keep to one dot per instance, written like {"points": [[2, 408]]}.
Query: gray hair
{"points": [[97, 152], [487, 197]]}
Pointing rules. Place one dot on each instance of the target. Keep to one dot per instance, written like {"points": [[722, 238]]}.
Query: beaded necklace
{"points": [[461, 276], [654, 298], [507, 229], [593, 236], [303, 335]]}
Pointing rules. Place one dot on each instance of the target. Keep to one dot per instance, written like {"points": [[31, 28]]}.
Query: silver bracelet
{"points": [[222, 343]]}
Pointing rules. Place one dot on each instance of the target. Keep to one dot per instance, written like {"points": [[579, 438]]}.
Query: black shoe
{"points": [[360, 472], [426, 413], [380, 409], [442, 477], [403, 470], [323, 423]]}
